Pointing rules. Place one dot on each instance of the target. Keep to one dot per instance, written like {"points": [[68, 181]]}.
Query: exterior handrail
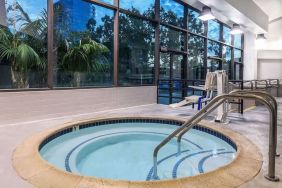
{"points": [[212, 105]]}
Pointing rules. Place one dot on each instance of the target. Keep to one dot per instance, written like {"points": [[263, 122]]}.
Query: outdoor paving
{"points": [[253, 124]]}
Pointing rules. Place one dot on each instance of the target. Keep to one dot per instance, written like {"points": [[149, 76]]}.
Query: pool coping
{"points": [[34, 169]]}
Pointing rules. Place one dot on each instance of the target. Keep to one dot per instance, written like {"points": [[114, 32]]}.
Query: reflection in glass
{"points": [[214, 30], [227, 59], [165, 60], [238, 71], [176, 66], [195, 67], [238, 41], [213, 65], [111, 2], [144, 7], [165, 66], [171, 39], [23, 34], [172, 12], [226, 35], [84, 43], [213, 49], [237, 55], [136, 57], [195, 25]]}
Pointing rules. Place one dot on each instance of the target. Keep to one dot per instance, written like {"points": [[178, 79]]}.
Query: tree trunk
{"points": [[19, 79], [76, 79]]}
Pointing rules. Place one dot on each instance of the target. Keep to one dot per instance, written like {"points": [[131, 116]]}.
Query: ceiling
{"points": [[271, 7]]}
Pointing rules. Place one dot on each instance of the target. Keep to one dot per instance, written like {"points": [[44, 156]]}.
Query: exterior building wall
{"points": [[3, 20]]}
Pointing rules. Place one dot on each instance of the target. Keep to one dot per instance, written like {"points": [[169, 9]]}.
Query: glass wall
{"points": [[23, 44], [144, 7], [195, 25], [196, 50], [213, 30], [83, 39], [172, 12], [171, 39], [226, 35], [227, 57], [105, 43], [136, 57]]}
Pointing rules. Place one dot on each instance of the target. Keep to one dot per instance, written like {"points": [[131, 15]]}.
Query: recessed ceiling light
{"points": [[236, 30], [206, 14]]}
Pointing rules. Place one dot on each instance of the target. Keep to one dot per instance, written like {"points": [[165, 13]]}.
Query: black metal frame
{"points": [[157, 22]]}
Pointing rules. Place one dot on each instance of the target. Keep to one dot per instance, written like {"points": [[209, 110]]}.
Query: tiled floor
{"points": [[253, 124]]}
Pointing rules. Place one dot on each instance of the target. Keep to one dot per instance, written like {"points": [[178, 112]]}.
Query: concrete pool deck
{"points": [[19, 125]]}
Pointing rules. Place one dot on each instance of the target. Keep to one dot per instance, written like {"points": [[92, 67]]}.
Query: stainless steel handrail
{"points": [[212, 106], [270, 98], [242, 92], [263, 94]]}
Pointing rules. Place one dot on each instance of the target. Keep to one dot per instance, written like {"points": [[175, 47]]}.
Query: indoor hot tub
{"points": [[120, 150]]}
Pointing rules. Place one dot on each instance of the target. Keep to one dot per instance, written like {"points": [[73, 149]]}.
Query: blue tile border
{"points": [[136, 120]]}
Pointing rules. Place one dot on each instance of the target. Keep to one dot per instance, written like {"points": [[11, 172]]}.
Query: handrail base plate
{"points": [[274, 179]]}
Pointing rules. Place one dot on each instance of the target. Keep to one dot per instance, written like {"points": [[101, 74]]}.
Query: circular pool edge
{"points": [[29, 164]]}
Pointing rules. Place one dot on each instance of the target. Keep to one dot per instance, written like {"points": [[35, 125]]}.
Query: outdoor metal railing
{"points": [[211, 106]]}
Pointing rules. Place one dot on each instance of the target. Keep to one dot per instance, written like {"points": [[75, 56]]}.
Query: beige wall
{"points": [[270, 64], [270, 69], [40, 105]]}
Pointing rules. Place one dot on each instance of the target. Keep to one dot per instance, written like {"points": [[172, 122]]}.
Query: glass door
{"points": [[170, 75], [170, 66]]}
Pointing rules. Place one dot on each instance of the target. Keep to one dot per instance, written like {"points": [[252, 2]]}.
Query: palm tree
{"points": [[84, 58], [21, 55], [38, 27]]}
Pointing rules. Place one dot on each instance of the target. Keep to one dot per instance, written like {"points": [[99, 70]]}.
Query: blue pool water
{"points": [[124, 151]]}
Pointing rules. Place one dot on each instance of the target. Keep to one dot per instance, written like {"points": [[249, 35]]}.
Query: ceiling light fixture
{"points": [[236, 30], [206, 14], [261, 37]]}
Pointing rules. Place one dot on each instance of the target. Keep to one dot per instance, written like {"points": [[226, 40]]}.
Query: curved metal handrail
{"points": [[212, 106], [260, 93], [265, 94], [243, 92]]}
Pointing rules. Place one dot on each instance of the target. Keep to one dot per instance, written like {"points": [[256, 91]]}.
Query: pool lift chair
{"points": [[196, 99], [218, 81]]}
